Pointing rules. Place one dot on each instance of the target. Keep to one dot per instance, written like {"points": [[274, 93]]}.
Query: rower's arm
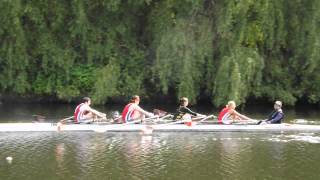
{"points": [[187, 110], [243, 117], [100, 114], [148, 114]]}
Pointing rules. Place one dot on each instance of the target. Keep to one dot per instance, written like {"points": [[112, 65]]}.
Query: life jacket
{"points": [[178, 115], [224, 114], [77, 113], [127, 113], [274, 114]]}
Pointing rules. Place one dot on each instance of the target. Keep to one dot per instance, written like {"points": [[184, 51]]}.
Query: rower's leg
{"points": [[187, 117], [95, 118], [89, 118], [142, 117], [138, 116]]}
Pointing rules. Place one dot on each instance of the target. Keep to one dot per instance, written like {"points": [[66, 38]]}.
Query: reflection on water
{"points": [[221, 155], [60, 152], [159, 156]]}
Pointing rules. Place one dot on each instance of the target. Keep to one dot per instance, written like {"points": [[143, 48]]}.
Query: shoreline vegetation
{"points": [[162, 101], [209, 51]]}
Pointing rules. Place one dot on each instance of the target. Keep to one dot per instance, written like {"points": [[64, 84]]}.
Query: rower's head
{"points": [[184, 101], [231, 105], [135, 99], [277, 105], [86, 100]]}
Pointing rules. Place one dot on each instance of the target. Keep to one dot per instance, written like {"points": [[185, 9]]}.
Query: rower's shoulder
{"points": [[85, 106]]}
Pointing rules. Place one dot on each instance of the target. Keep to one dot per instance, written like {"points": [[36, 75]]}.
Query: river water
{"points": [[124, 156]]}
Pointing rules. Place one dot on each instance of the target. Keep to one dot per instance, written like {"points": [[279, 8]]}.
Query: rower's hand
{"points": [[154, 116], [102, 115], [150, 115]]}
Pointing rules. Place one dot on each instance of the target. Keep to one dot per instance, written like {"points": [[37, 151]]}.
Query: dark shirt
{"points": [[275, 117], [181, 111]]}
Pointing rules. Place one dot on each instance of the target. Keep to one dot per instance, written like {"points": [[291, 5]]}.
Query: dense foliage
{"points": [[217, 49]]}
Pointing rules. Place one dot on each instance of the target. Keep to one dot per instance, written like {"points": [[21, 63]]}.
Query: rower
{"points": [[228, 114], [276, 116], [85, 114], [132, 111], [183, 112]]}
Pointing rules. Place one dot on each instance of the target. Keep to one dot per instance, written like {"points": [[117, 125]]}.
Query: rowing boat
{"points": [[39, 127]]}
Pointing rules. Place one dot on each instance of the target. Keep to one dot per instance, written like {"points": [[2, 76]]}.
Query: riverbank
{"points": [[162, 101]]}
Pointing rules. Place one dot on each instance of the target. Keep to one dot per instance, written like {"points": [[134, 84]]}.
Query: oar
{"points": [[162, 118], [178, 122], [168, 115], [201, 118], [175, 122], [262, 122], [246, 121], [61, 122], [66, 119], [40, 118], [124, 124], [149, 129], [208, 117], [238, 122]]}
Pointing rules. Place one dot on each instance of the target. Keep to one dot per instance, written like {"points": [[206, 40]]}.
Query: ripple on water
{"points": [[299, 137], [158, 156]]}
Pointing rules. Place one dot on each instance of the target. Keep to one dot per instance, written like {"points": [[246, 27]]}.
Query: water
{"points": [[160, 156], [223, 155]]}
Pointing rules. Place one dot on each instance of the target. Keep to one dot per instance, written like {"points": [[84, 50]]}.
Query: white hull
{"points": [[39, 127]]}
